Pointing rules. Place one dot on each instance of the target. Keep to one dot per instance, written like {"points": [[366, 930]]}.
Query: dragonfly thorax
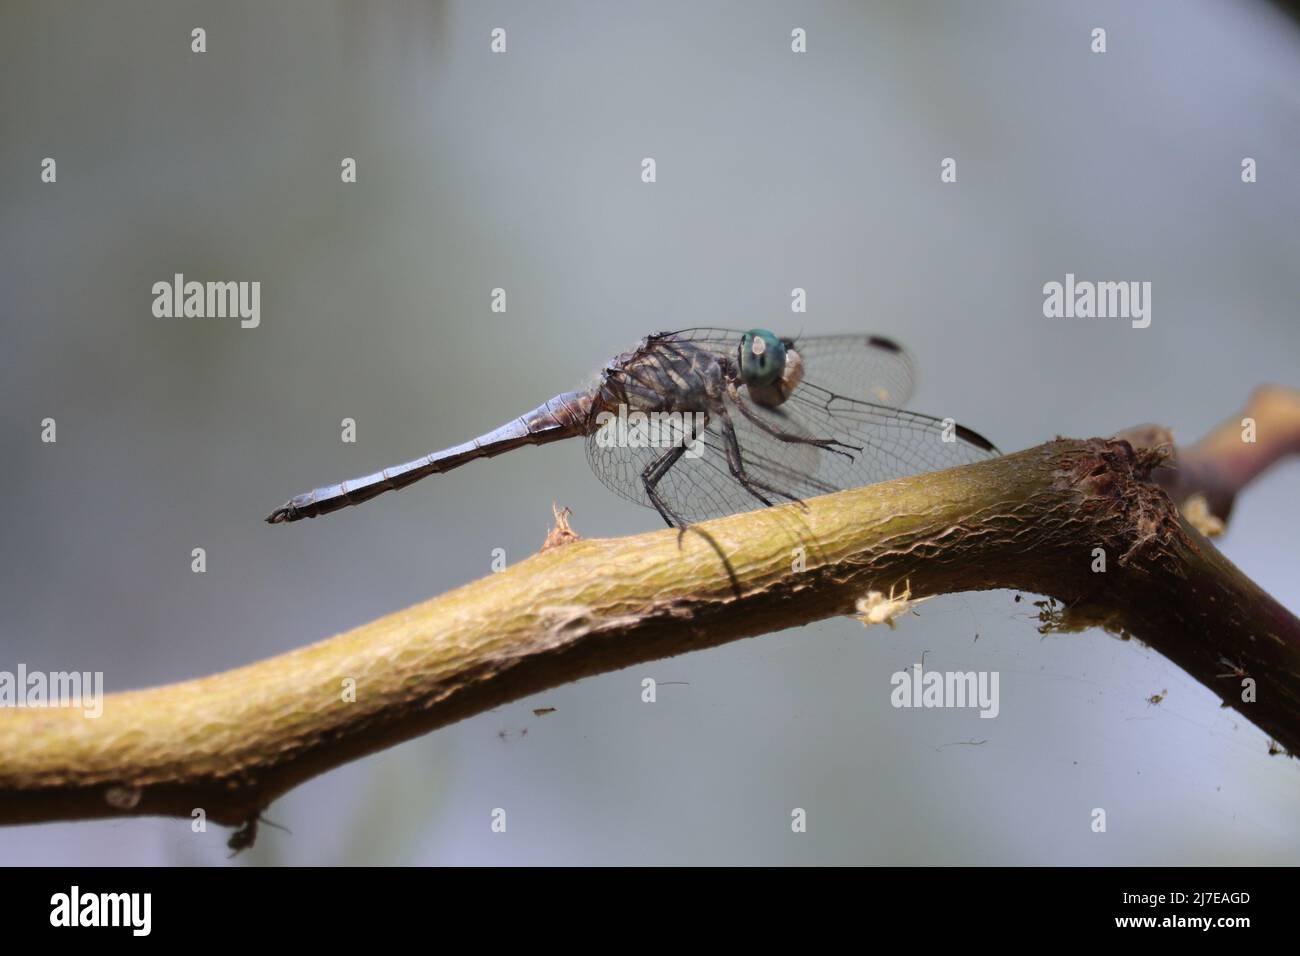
{"points": [[661, 376]]}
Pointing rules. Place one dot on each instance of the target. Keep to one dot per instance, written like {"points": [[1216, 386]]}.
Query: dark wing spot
{"points": [[976, 439], [880, 342]]}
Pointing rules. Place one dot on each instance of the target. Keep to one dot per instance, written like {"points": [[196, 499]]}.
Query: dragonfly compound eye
{"points": [[762, 358]]}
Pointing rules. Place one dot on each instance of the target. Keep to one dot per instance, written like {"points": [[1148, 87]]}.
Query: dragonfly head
{"points": [[769, 367]]}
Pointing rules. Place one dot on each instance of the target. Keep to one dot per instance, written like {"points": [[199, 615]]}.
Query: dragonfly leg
{"points": [[737, 464], [826, 443], [650, 478]]}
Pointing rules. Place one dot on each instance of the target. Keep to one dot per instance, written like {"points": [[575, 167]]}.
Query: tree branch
{"points": [[1222, 463], [233, 742]]}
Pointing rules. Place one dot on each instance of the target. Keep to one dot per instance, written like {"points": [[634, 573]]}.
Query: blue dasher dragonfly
{"points": [[707, 422]]}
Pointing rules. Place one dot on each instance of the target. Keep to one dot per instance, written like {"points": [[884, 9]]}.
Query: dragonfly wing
{"points": [[873, 441], [870, 368], [795, 467], [697, 487], [893, 442]]}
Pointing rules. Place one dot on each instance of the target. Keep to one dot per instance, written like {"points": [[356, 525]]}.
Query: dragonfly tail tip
{"points": [[280, 515]]}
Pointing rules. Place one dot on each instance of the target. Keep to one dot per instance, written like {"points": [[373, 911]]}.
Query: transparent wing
{"points": [[870, 368], [819, 441], [872, 443], [697, 487]]}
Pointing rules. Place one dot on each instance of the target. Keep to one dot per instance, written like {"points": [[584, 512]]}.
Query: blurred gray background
{"points": [[522, 171]]}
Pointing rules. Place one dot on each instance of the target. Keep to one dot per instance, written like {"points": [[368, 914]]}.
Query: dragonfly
{"points": [[707, 422]]}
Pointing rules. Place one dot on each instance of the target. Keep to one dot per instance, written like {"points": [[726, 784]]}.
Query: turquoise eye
{"points": [[762, 358]]}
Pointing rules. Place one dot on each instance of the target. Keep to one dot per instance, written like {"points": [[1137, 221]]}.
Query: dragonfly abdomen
{"points": [[564, 416]]}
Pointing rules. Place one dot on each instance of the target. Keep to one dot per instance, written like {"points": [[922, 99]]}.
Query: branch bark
{"points": [[233, 742], [1222, 463]]}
